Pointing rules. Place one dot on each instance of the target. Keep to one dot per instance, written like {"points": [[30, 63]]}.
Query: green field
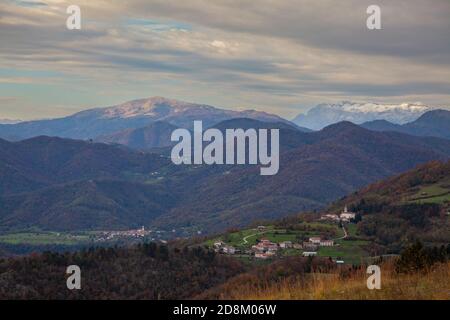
{"points": [[351, 251], [44, 238], [280, 236], [351, 229], [236, 239], [436, 193]]}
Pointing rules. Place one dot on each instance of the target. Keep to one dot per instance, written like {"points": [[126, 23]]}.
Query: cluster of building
{"points": [[310, 247], [111, 235], [265, 248], [321, 242], [222, 247], [345, 216]]}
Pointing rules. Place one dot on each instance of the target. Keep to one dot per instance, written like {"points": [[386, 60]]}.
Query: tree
{"points": [[412, 259]]}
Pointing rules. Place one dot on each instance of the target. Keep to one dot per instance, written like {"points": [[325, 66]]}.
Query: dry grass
{"points": [[433, 284]]}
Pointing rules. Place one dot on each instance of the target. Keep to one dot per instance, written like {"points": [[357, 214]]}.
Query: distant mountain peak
{"points": [[343, 127], [369, 107], [153, 106], [9, 121], [325, 114], [432, 123], [435, 114], [96, 122]]}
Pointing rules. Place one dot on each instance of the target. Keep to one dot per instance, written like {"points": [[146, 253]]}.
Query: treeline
{"points": [[9, 249], [144, 271], [394, 223], [290, 269], [396, 226], [417, 257]]}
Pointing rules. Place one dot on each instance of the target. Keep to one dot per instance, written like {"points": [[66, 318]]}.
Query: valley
{"points": [[344, 197], [225, 150], [71, 185], [63, 194]]}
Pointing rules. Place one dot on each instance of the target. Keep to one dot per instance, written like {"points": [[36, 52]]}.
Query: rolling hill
{"points": [[64, 184], [43, 161], [427, 183], [435, 123], [155, 135], [86, 205], [328, 165], [414, 205]]}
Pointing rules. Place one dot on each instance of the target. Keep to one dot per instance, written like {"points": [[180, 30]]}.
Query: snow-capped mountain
{"points": [[178, 112], [93, 123], [324, 114], [9, 121]]}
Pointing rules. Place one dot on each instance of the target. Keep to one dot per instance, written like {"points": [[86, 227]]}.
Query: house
{"points": [[229, 250], [297, 246], [326, 243], [286, 244], [315, 240], [330, 217], [309, 253], [265, 245], [260, 255], [308, 246], [219, 244], [141, 232], [270, 253], [261, 228], [346, 216]]}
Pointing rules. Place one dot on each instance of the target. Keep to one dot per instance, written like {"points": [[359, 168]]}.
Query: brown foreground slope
{"points": [[433, 284]]}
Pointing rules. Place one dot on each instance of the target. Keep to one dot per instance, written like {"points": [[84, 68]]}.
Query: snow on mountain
{"points": [[151, 107], [324, 114], [9, 121], [179, 112]]}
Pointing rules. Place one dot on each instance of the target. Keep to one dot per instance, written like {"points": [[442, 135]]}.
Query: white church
{"points": [[346, 216]]}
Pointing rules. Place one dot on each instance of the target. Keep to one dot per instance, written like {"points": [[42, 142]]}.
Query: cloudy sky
{"points": [[280, 56]]}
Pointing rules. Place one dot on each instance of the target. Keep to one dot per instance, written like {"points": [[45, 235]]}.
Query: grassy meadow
{"points": [[43, 238], [432, 284]]}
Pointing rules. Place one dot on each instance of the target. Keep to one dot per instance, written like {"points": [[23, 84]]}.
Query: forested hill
{"points": [[117, 273], [408, 207]]}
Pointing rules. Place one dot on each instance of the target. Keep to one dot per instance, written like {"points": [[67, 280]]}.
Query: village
{"points": [[266, 242], [133, 234]]}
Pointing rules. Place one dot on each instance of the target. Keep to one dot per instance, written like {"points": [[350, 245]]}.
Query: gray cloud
{"points": [[267, 54]]}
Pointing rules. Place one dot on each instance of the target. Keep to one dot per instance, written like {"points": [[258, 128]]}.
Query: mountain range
{"points": [[325, 114], [432, 123], [9, 121], [146, 123], [62, 184], [97, 122], [435, 123], [155, 135], [324, 166]]}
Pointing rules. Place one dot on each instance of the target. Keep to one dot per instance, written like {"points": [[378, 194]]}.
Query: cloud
{"points": [[29, 3], [282, 56]]}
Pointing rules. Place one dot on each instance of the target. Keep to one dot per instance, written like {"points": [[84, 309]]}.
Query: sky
{"points": [[278, 56]]}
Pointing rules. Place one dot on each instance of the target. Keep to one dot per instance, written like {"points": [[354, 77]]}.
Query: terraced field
{"points": [[436, 193]]}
